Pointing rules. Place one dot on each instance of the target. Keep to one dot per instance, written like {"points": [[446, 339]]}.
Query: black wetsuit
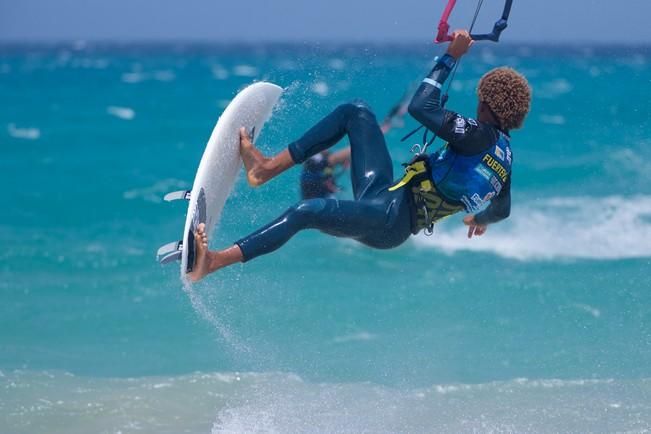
{"points": [[376, 217]]}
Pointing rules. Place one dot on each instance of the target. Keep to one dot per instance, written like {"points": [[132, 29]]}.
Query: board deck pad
{"points": [[199, 217]]}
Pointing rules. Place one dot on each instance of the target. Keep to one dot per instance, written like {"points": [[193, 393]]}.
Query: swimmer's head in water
{"points": [[508, 95]]}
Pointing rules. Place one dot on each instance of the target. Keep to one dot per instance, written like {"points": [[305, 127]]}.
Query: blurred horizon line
{"points": [[81, 44]]}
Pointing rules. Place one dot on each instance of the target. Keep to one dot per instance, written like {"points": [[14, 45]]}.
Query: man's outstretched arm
{"points": [[426, 106]]}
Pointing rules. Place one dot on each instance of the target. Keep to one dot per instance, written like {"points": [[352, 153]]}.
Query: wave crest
{"points": [[613, 227]]}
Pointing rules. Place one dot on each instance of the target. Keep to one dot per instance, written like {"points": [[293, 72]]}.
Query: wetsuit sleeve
{"points": [[499, 208], [425, 105], [465, 135]]}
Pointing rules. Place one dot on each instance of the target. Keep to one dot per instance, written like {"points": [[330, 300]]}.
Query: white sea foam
{"points": [[245, 71], [552, 119], [520, 405], [137, 75], [355, 337], [320, 88], [588, 309], [284, 402], [155, 193], [636, 61], [86, 63], [125, 113], [164, 75], [30, 133], [630, 159], [337, 64], [219, 73], [133, 77], [608, 228], [553, 89]]}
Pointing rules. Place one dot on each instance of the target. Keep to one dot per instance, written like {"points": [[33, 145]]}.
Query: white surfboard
{"points": [[219, 167]]}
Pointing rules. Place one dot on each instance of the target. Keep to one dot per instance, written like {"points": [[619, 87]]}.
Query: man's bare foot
{"points": [[254, 161], [201, 254], [205, 261]]}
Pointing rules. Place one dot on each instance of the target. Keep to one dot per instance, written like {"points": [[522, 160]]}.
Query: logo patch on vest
{"points": [[459, 125], [496, 184], [508, 155], [483, 171], [476, 202], [496, 167], [499, 152]]}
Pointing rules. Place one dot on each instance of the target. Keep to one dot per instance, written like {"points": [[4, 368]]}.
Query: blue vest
{"points": [[472, 180]]}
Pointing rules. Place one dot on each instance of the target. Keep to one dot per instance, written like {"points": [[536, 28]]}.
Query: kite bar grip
{"points": [[494, 36], [498, 28]]}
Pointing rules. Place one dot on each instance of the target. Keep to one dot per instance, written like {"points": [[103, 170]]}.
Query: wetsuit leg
{"points": [[342, 218], [377, 218], [371, 166]]}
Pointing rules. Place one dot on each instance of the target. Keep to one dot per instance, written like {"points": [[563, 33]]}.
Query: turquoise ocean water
{"points": [[542, 325]]}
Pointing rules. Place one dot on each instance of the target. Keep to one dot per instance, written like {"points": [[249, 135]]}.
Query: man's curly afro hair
{"points": [[508, 95]]}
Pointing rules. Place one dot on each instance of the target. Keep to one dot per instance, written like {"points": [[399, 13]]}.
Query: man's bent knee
{"points": [[358, 108]]}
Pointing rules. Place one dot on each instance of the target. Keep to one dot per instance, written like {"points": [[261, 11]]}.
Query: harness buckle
{"points": [[429, 229]]}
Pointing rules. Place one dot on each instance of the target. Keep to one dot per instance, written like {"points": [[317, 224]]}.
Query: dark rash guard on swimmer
{"points": [[464, 136]]}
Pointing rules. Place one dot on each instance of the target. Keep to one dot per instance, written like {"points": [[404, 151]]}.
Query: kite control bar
{"points": [[498, 28], [444, 36]]}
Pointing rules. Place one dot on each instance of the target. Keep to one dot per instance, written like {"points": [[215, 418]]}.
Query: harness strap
{"points": [[429, 205], [410, 171]]}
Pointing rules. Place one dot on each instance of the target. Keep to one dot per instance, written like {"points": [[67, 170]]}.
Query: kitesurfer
{"points": [[472, 169]]}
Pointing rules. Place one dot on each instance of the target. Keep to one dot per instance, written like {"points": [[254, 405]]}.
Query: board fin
{"points": [[170, 252], [177, 195]]}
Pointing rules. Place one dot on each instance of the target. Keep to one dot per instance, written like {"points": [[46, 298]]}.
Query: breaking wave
{"points": [[614, 227]]}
